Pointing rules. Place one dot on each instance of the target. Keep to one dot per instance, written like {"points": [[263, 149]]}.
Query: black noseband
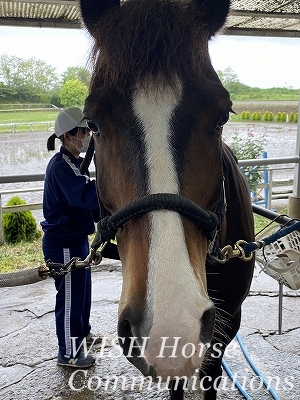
{"points": [[206, 220]]}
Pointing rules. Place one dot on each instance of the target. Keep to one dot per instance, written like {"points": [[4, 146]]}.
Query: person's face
{"points": [[82, 133], [77, 143]]}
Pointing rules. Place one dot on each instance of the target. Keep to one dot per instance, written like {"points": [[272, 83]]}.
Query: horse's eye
{"points": [[92, 127], [223, 120]]}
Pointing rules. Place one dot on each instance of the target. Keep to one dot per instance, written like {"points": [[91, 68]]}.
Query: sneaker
{"points": [[78, 362], [92, 339]]}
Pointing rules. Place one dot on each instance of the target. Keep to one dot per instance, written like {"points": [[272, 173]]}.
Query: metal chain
{"points": [[58, 269], [95, 257], [230, 252]]}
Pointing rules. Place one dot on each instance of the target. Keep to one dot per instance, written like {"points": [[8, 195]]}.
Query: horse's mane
{"points": [[146, 39]]}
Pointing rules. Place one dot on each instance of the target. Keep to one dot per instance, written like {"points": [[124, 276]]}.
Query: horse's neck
{"points": [[238, 221]]}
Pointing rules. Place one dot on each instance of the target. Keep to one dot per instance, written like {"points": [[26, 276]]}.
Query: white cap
{"points": [[68, 119]]}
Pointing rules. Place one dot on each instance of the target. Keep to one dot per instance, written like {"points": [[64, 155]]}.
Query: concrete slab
{"points": [[28, 369]]}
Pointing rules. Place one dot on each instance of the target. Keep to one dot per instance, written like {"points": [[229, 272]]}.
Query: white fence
{"points": [[27, 126], [265, 198]]}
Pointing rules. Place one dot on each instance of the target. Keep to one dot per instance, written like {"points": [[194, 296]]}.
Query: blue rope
{"points": [[235, 381], [252, 246], [254, 367]]}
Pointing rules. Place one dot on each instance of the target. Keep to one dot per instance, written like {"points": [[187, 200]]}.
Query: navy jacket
{"points": [[69, 202]]}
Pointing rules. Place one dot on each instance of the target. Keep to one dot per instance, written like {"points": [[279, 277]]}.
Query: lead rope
{"points": [[109, 225]]}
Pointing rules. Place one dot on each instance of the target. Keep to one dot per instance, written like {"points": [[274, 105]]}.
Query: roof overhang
{"points": [[274, 18]]}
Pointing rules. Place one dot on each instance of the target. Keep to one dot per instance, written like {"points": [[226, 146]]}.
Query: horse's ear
{"points": [[93, 10], [212, 13]]}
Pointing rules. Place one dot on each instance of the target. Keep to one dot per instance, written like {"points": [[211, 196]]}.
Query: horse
{"points": [[170, 188]]}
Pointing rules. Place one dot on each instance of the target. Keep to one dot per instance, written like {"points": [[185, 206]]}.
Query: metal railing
{"points": [[26, 126], [270, 185]]}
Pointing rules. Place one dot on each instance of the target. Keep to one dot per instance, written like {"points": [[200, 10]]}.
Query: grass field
{"points": [[43, 119], [26, 121]]}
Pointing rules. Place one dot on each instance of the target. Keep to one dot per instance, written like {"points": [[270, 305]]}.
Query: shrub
{"points": [[270, 116], [245, 149], [296, 117], [283, 117], [278, 117], [291, 117], [19, 226], [243, 115], [266, 116]]}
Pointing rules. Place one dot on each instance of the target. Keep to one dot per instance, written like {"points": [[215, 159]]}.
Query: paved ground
{"points": [[28, 369]]}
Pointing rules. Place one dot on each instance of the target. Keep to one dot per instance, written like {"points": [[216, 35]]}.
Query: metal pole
{"points": [[294, 199], [280, 219], [267, 192], [296, 189], [280, 294], [1, 224]]}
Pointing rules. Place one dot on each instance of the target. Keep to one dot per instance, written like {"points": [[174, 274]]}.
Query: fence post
{"points": [[294, 200], [1, 224], [267, 191]]}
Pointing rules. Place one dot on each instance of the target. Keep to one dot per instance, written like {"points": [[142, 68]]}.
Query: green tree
{"points": [[227, 76], [82, 74], [73, 93], [26, 80], [240, 91]]}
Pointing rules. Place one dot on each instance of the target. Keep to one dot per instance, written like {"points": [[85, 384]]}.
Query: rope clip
{"points": [[237, 251]]}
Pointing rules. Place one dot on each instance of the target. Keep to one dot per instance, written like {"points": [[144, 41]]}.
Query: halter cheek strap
{"points": [[88, 157]]}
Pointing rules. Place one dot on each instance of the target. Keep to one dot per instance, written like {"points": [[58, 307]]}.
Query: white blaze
{"points": [[174, 295]]}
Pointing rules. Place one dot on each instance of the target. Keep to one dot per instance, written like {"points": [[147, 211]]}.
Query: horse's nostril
{"points": [[207, 325], [125, 335]]}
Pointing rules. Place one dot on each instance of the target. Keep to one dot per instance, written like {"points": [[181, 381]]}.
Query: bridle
{"points": [[107, 227]]}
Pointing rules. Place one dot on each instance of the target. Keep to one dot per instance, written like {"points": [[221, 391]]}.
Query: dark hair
{"points": [[50, 142], [51, 139]]}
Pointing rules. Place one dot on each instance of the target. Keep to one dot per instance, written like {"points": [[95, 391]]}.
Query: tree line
{"points": [[35, 81], [240, 91]]}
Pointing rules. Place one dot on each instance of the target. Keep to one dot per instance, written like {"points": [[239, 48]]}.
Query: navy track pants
{"points": [[73, 299]]}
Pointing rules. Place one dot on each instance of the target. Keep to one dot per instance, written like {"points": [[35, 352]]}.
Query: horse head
{"points": [[158, 108]]}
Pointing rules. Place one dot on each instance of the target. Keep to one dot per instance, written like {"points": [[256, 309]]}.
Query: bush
{"points": [[19, 226], [256, 116], [243, 115], [266, 116], [278, 117], [283, 117], [291, 117], [245, 149]]}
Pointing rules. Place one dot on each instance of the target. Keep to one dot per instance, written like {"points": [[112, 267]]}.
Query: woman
{"points": [[70, 199]]}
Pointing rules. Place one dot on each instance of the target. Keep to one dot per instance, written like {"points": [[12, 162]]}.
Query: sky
{"points": [[257, 61]]}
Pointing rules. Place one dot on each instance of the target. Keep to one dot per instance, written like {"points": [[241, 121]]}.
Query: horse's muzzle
{"points": [[167, 356]]}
